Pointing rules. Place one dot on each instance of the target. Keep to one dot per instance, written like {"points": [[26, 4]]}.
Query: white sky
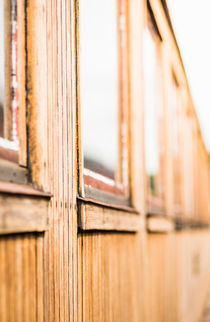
{"points": [[191, 23]]}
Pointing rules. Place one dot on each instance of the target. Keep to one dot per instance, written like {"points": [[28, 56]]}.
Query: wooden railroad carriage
{"points": [[104, 212]]}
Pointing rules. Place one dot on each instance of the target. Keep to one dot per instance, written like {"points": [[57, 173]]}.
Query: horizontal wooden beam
{"points": [[94, 217], [23, 214], [159, 224], [190, 223]]}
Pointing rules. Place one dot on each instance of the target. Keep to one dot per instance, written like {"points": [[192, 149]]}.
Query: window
{"points": [[104, 100], [12, 91], [17, 193], [8, 80], [154, 125], [176, 146]]}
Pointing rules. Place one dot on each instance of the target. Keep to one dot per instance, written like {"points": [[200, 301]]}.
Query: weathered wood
{"points": [[112, 280], [63, 275], [23, 214], [93, 217], [136, 12], [12, 172], [36, 91]]}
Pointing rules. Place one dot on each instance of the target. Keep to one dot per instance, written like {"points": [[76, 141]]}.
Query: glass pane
{"points": [[2, 64], [8, 75], [99, 85], [153, 119]]}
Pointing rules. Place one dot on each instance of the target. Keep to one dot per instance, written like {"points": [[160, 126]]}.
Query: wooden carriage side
{"points": [[66, 255]]}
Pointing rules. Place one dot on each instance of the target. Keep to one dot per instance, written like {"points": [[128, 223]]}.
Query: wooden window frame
{"points": [[13, 158], [152, 24], [110, 214], [24, 183], [92, 185], [175, 78], [172, 62]]}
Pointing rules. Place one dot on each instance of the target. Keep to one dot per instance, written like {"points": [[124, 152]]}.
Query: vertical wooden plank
{"points": [[36, 80], [3, 284], [65, 163], [18, 278], [61, 241], [40, 283], [80, 279], [25, 279], [110, 288], [136, 19], [32, 277]]}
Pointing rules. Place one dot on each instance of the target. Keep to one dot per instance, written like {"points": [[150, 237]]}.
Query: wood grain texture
{"points": [[42, 282], [178, 281], [60, 243], [36, 92], [20, 255], [63, 275], [23, 214], [112, 283], [93, 217]]}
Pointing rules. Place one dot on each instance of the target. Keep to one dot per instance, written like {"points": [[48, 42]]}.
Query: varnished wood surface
{"points": [[94, 217], [61, 275], [21, 287], [111, 277], [160, 224], [23, 214]]}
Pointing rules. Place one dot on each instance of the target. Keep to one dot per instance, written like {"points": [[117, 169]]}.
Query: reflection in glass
{"points": [[99, 85], [2, 69], [153, 120]]}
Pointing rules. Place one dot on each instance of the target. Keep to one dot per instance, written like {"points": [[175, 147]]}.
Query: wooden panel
{"points": [[45, 266], [178, 276], [92, 217], [112, 276], [60, 242], [162, 278], [23, 214], [19, 262], [193, 260], [136, 11], [118, 276], [160, 224]]}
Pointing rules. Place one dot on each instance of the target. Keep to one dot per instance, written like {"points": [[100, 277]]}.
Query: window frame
{"points": [[94, 214], [13, 155], [159, 207], [24, 184], [93, 186], [178, 210]]}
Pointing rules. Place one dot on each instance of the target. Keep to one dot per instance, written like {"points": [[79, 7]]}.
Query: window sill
{"points": [[190, 224], [160, 224], [93, 216], [165, 224], [12, 172], [22, 209]]}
